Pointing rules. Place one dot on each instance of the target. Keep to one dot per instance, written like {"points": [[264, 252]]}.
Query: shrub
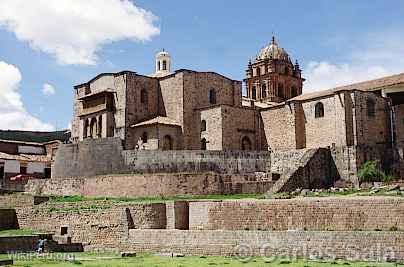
{"points": [[370, 172]]}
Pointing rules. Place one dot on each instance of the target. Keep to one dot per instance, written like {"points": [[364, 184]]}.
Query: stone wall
{"points": [[226, 162], [18, 244], [139, 185], [8, 219], [93, 157], [314, 169], [94, 224], [311, 214], [364, 246]]}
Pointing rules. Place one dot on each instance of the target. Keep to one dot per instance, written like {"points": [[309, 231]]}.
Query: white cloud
{"points": [[13, 114], [73, 31], [48, 89], [369, 57]]}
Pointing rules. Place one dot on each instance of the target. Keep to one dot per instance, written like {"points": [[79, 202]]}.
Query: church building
{"points": [[192, 110]]}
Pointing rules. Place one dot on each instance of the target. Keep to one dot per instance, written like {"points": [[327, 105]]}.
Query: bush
{"points": [[370, 172]]}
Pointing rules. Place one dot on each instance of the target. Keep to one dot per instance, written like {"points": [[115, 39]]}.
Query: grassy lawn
{"points": [[16, 232], [110, 260], [152, 199], [160, 199]]}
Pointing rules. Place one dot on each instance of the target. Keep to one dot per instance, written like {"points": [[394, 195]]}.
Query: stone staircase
{"points": [[309, 168]]}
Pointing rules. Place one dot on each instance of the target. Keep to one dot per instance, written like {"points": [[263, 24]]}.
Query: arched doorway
{"points": [[246, 143], [167, 143], [203, 144]]}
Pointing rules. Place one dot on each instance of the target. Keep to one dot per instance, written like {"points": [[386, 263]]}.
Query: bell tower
{"points": [[163, 64], [272, 77]]}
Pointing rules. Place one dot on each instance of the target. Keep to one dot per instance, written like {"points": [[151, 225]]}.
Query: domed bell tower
{"points": [[272, 77], [163, 64]]}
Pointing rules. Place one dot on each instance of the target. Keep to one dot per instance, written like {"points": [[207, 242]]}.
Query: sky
{"points": [[47, 46]]}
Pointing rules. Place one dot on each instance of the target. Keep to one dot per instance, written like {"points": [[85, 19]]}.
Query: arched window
{"points": [[158, 65], [370, 105], [93, 128], [143, 96], [281, 91], [203, 125], [85, 129], [144, 137], [99, 128], [254, 93], [319, 110], [203, 144], [212, 96], [164, 65], [246, 143], [167, 143], [264, 91], [294, 91]]}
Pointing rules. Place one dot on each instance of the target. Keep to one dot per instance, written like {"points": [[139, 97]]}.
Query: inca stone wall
{"points": [[99, 224], [355, 246], [94, 157], [140, 185], [311, 214], [8, 219]]}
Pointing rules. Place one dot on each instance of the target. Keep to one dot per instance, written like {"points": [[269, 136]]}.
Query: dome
{"points": [[273, 51]]}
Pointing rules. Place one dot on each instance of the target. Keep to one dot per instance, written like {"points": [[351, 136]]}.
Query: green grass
{"points": [[158, 199], [16, 232], [93, 260], [347, 193]]}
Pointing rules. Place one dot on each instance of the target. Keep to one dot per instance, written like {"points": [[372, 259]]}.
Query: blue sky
{"points": [[336, 42]]}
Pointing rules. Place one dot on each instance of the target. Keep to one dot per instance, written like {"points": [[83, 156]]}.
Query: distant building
{"points": [[26, 158]]}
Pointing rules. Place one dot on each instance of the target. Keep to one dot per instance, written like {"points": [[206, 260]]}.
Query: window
{"points": [[319, 110], [164, 65], [203, 144], [246, 143], [264, 91], [294, 91], [1, 172], [167, 143], [143, 96], [254, 93], [158, 65], [144, 137], [212, 96], [203, 125], [23, 169], [281, 92], [258, 71], [85, 129], [370, 104], [48, 172], [63, 230]]}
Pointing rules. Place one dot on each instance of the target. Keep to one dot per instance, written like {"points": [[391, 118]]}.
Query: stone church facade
{"points": [[190, 110]]}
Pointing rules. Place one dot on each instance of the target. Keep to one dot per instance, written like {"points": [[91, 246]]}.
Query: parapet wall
{"points": [[311, 214]]}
